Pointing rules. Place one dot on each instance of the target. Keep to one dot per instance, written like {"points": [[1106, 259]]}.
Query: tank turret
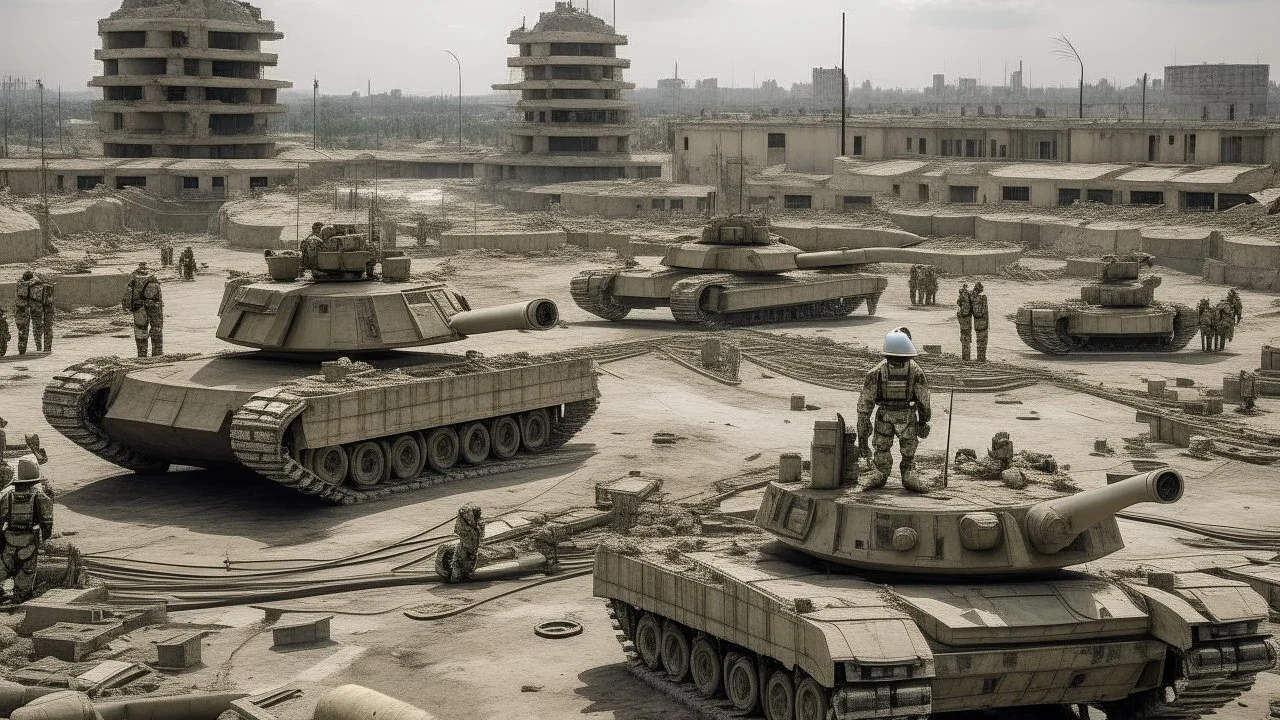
{"points": [[999, 531], [349, 308]]}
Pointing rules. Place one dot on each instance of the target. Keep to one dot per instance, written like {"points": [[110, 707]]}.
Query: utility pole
{"points": [[844, 82], [675, 92], [315, 128], [44, 189], [1144, 97], [459, 62]]}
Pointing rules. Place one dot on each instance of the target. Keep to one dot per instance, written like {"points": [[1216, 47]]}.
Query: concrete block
{"points": [[946, 225], [307, 631], [1231, 388], [536, 241], [41, 614], [1184, 382], [180, 651], [999, 228], [74, 291], [1156, 387], [1082, 267], [71, 642], [916, 222], [933, 349]]}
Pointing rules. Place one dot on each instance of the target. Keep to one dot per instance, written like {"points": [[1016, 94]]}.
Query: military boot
{"points": [[964, 351], [142, 347], [877, 477], [911, 479], [22, 345], [157, 347]]}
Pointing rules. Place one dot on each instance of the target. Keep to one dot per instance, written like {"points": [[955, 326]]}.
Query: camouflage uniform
{"points": [[1237, 305], [187, 264], [4, 333], [900, 397], [964, 313], [455, 562], [144, 300], [6, 472], [929, 279], [1205, 318], [913, 284], [27, 513], [42, 321], [166, 254], [981, 319], [22, 311], [1224, 325]]}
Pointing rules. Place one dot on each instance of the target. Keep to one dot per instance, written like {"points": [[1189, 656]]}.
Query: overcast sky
{"points": [[894, 43]]}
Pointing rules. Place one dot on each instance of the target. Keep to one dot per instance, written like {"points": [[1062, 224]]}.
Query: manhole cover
{"points": [[556, 629]]}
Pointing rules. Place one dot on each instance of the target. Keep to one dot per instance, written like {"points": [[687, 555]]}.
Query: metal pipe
{"points": [[354, 702], [541, 314], [1052, 525], [14, 696], [72, 705], [831, 258]]}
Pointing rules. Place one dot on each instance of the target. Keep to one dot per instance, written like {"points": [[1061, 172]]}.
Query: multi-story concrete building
{"points": [[574, 112], [827, 84], [184, 79], [1216, 92]]}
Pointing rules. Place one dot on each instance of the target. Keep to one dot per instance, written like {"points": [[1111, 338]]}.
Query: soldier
{"points": [[27, 513], [1224, 325], [1237, 305], [913, 284], [899, 393], [930, 282], [144, 300], [42, 321], [4, 333], [187, 264], [1248, 392], [981, 318], [22, 311], [314, 237], [964, 313], [166, 253], [455, 562], [1204, 315]]}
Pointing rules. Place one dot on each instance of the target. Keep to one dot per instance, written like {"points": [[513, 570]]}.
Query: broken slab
{"points": [[306, 631], [73, 641]]}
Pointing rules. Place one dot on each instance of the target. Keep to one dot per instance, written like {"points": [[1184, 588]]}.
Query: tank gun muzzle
{"points": [[1054, 524], [832, 258], [541, 314]]}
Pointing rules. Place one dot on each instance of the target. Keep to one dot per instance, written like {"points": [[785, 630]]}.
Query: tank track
{"points": [[71, 407], [259, 431], [597, 303], [1051, 342], [1201, 687], [686, 306]]}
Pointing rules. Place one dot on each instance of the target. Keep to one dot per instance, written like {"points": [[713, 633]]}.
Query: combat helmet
{"points": [[28, 470], [897, 344]]}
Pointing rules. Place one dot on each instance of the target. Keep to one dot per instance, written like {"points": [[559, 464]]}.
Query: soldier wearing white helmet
{"points": [[898, 391], [27, 515]]}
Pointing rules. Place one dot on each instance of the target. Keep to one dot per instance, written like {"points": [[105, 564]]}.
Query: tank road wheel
{"points": [[504, 437], [706, 666], [649, 641], [442, 449], [675, 651], [812, 700], [406, 458], [741, 683], [368, 464], [328, 463], [535, 430], [474, 439], [779, 696]]}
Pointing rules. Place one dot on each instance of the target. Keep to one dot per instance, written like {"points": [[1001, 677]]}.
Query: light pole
{"points": [[315, 132], [44, 189], [459, 62]]}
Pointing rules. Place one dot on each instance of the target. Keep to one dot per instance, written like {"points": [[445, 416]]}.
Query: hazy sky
{"points": [[894, 43]]}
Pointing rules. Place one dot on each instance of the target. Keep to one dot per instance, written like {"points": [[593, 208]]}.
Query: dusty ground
{"points": [[487, 663]]}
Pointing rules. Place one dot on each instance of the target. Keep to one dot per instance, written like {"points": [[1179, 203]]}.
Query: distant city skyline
{"points": [[892, 43]]}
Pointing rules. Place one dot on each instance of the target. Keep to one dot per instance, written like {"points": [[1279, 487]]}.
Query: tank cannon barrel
{"points": [[1054, 524], [831, 258], [541, 314]]}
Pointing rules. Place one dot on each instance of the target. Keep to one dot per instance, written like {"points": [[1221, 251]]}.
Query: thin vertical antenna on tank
{"points": [[946, 456]]}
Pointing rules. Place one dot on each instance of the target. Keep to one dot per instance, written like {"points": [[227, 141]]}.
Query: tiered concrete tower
{"points": [[574, 105], [184, 79]]}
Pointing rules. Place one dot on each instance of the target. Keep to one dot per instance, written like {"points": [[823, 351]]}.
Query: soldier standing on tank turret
{"points": [[898, 391], [26, 512], [145, 301], [913, 284], [981, 318], [964, 313]]}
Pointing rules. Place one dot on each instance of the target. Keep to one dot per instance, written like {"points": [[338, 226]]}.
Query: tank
{"points": [[328, 402], [1117, 314], [737, 274], [856, 604]]}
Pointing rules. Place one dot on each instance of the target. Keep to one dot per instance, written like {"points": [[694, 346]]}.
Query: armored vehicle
{"points": [[737, 274], [859, 604], [326, 404], [1117, 314]]}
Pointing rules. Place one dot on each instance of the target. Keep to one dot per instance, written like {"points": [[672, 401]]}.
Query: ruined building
{"points": [[184, 79], [574, 113]]}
